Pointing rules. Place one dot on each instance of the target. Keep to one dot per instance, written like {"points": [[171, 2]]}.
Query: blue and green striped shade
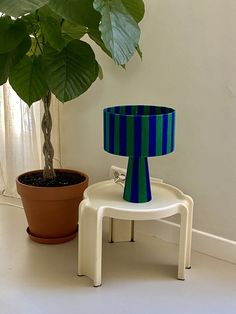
{"points": [[138, 131]]}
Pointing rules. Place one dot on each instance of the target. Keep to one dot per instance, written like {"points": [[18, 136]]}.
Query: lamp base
{"points": [[137, 183]]}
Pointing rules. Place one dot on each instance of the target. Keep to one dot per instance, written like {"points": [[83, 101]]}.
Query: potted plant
{"points": [[42, 53]]}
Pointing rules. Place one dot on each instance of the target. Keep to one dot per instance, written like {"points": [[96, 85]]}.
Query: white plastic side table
{"points": [[105, 199]]}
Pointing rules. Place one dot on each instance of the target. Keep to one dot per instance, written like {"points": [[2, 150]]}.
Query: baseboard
{"points": [[202, 242]]}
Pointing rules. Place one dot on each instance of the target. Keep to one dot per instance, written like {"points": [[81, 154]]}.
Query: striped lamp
{"points": [[138, 131]]}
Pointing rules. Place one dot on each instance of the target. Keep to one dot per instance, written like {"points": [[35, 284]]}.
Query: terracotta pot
{"points": [[52, 212]]}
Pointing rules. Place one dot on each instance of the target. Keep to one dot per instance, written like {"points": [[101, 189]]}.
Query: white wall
{"points": [[189, 62]]}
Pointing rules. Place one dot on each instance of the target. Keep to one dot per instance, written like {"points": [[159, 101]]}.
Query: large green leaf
{"points": [[31, 23], [18, 8], [120, 32], [5, 63], [77, 11], [47, 11], [27, 79], [21, 50], [44, 15], [51, 30], [135, 8], [75, 31], [7, 60], [95, 35], [11, 33], [71, 71]]}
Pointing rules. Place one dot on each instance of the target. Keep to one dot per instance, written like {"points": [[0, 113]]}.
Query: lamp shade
{"points": [[138, 131]]}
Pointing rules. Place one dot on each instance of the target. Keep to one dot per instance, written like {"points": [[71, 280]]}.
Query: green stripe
{"points": [[169, 133], [130, 136], [145, 137], [134, 110], [142, 189], [128, 180], [117, 135], [146, 110], [122, 110], [159, 127], [112, 109], [107, 131]]}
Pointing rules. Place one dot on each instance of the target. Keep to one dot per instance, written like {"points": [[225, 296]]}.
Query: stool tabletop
{"points": [[110, 194]]}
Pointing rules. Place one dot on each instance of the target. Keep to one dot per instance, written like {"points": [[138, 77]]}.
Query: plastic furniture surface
{"points": [[105, 199]]}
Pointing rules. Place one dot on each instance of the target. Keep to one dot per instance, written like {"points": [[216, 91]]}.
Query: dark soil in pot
{"points": [[62, 179]]}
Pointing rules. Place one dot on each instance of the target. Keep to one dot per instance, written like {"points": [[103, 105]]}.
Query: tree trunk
{"points": [[48, 151]]}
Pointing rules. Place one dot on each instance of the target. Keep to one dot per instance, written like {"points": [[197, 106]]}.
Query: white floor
{"points": [[137, 277]]}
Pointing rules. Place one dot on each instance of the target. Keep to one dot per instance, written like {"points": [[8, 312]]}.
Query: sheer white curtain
{"points": [[21, 138]]}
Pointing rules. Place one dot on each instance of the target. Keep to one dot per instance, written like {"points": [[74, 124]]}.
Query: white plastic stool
{"points": [[105, 199]]}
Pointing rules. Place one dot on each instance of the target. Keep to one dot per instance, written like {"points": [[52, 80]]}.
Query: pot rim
{"points": [[53, 187]]}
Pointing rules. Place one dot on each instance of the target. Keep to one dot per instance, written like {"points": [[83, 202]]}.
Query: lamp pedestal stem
{"points": [[137, 183]]}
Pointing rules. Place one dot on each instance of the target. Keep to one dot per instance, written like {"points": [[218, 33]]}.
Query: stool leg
{"points": [[90, 243], [190, 224], [183, 242], [110, 234], [121, 230], [132, 231]]}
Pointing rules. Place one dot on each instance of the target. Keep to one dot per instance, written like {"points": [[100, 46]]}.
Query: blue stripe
{"points": [[152, 110], [173, 132], [135, 176], [105, 130], [164, 134], [112, 133], [141, 109], [117, 109], [137, 135], [148, 188], [152, 136], [123, 135], [127, 109]]}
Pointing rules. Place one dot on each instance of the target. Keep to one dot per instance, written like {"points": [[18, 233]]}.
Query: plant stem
{"points": [[48, 151]]}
